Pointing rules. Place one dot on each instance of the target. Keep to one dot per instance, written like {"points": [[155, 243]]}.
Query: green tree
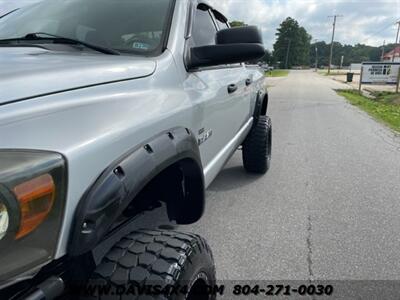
{"points": [[237, 24], [267, 57], [351, 54], [291, 35]]}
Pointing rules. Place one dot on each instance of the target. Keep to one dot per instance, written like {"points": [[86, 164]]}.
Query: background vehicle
{"points": [[115, 116], [266, 67]]}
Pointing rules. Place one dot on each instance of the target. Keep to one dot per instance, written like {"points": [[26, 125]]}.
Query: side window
{"points": [[204, 30], [220, 20], [222, 25]]}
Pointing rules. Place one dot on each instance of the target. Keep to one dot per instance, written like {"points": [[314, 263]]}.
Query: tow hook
{"points": [[51, 288]]}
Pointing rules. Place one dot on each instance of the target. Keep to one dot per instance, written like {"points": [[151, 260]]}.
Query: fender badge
{"points": [[204, 136]]}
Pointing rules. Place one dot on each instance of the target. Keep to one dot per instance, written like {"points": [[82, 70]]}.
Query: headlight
{"points": [[3, 220], [32, 196]]}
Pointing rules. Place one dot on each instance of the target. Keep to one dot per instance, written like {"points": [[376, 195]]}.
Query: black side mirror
{"points": [[233, 45]]}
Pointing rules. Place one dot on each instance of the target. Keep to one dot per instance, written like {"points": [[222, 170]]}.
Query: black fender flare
{"points": [[261, 106], [118, 184]]}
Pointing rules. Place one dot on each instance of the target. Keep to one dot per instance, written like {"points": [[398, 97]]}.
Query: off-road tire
{"points": [[157, 257], [256, 150]]}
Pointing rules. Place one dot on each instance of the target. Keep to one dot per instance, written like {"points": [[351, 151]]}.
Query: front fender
{"points": [[115, 188], [261, 106]]}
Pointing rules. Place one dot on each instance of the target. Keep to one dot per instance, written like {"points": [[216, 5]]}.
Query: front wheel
{"points": [[157, 265], [257, 147]]}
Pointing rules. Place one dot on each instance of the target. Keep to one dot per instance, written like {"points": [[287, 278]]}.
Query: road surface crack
{"points": [[309, 248]]}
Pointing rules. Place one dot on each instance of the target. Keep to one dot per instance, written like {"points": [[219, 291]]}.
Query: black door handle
{"points": [[248, 81], [232, 88]]}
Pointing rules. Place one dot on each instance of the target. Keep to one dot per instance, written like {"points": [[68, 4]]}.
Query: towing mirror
{"points": [[233, 45]]}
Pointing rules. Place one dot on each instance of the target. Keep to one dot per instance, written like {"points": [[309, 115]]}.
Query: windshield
{"points": [[135, 26]]}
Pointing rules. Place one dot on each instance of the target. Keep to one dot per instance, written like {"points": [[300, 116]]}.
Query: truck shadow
{"points": [[231, 178]]}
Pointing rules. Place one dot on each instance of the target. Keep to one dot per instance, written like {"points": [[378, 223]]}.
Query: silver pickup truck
{"points": [[115, 116]]}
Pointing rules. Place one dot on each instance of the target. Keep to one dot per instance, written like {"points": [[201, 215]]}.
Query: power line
{"points": [[333, 37], [377, 32]]}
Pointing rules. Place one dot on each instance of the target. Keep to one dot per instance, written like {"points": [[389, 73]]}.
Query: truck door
{"points": [[225, 97]]}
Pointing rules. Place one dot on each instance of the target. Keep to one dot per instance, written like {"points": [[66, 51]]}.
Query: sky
{"points": [[367, 22]]}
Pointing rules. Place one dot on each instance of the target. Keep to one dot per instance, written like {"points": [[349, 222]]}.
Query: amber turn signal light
{"points": [[36, 198]]}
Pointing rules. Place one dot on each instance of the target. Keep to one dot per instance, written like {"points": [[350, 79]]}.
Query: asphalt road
{"points": [[329, 208]]}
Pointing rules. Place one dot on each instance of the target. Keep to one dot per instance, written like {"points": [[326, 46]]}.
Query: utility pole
{"points": [[287, 54], [333, 37], [316, 55], [383, 50], [397, 37]]}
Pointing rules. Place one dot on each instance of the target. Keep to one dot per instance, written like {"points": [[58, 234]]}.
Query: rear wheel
{"points": [[181, 264], [257, 147]]}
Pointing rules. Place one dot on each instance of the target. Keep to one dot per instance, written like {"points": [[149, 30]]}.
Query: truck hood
{"points": [[31, 72]]}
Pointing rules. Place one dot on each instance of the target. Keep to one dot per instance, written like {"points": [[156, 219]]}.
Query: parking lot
{"points": [[328, 208]]}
